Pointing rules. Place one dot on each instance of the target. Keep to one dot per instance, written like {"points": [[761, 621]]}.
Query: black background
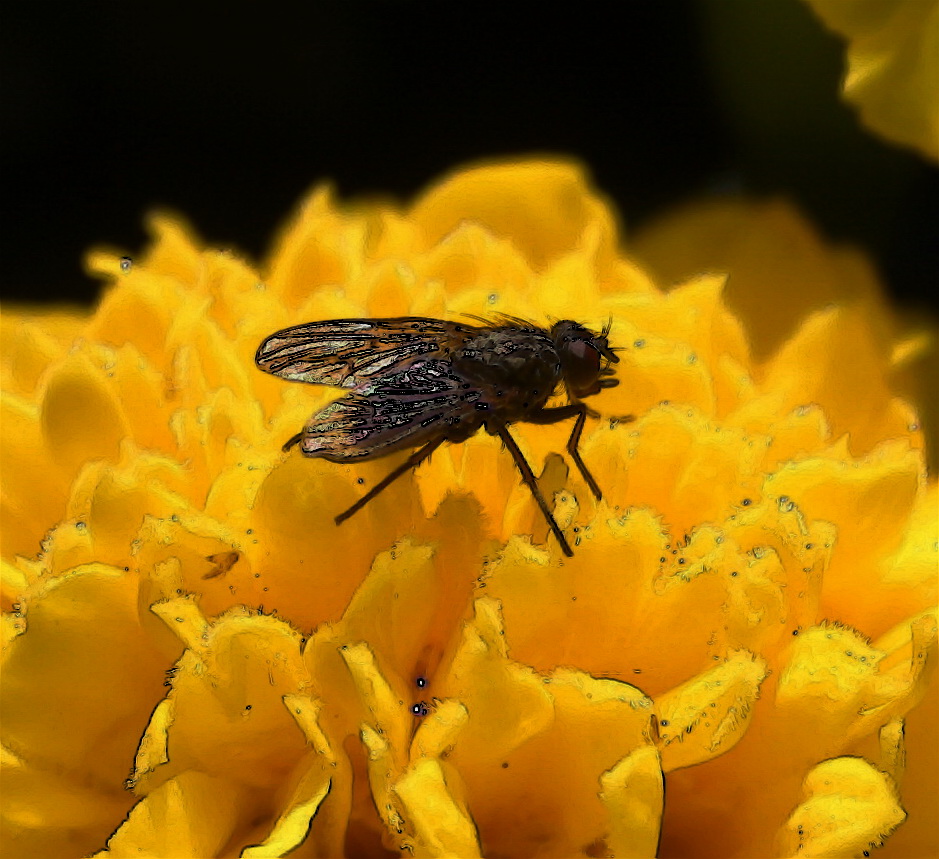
{"points": [[229, 116]]}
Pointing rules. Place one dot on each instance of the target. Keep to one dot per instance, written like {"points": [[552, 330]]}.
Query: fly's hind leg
{"points": [[412, 461], [294, 439], [529, 478]]}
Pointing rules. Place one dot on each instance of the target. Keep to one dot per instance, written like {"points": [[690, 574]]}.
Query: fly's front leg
{"points": [[572, 449], [562, 413]]}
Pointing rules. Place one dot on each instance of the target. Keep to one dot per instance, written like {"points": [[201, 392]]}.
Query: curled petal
{"points": [[848, 807], [441, 827], [708, 715]]}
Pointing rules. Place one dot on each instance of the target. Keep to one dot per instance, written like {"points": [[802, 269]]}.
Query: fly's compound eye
{"points": [[580, 360]]}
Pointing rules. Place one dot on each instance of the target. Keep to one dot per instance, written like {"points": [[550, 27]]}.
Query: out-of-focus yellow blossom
{"points": [[749, 617], [892, 74]]}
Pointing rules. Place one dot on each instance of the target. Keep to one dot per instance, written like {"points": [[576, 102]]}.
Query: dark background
{"points": [[229, 117]]}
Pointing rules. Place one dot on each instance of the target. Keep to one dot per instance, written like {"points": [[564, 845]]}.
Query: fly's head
{"points": [[585, 358]]}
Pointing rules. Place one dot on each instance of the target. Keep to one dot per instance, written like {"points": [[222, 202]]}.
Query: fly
{"points": [[416, 382]]}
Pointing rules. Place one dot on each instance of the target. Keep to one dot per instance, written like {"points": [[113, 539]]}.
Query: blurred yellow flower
{"points": [[749, 615], [892, 74]]}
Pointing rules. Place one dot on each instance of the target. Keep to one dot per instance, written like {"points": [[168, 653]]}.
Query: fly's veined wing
{"points": [[400, 410], [350, 353]]}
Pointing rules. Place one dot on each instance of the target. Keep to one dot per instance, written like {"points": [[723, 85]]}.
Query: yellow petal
{"points": [[153, 750], [441, 827], [386, 713], [318, 248], [382, 767], [212, 560], [851, 687], [870, 500], [34, 491], [893, 749], [508, 702], [294, 823], [473, 261], [848, 378], [174, 252], [299, 541], [81, 418], [633, 792], [623, 578], [13, 582], [420, 588], [119, 319], [306, 712], [113, 501], [437, 733], [228, 695], [708, 715], [542, 206], [848, 807], [82, 645], [908, 577], [27, 349], [193, 815]]}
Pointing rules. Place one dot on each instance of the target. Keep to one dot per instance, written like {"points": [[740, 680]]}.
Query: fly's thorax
{"points": [[510, 360]]}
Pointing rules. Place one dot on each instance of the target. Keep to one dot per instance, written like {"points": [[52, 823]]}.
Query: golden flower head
{"points": [[749, 614]]}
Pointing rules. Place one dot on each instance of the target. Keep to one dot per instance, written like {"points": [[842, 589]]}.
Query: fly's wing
{"points": [[351, 353], [400, 410]]}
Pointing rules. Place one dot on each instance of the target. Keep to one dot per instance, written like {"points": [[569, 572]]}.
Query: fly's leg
{"points": [[412, 461], [562, 413], [574, 452], [294, 439], [529, 478]]}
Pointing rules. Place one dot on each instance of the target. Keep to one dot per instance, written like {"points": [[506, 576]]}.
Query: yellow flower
{"points": [[748, 618], [892, 72]]}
